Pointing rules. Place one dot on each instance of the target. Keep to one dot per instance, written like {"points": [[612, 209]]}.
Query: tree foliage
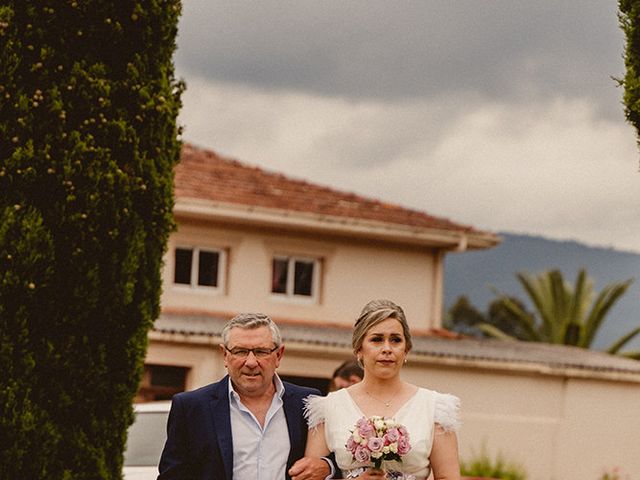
{"points": [[563, 314], [88, 107], [629, 18], [463, 317]]}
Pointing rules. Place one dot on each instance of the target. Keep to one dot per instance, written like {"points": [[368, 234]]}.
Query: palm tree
{"points": [[564, 314], [463, 317]]}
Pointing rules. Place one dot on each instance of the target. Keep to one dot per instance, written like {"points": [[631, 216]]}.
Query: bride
{"points": [[381, 342]]}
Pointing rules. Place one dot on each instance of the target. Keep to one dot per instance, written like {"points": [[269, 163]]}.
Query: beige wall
{"points": [[203, 361], [559, 427], [352, 273], [602, 423]]}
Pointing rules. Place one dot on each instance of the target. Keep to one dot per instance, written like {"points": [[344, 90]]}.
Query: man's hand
{"points": [[310, 468]]}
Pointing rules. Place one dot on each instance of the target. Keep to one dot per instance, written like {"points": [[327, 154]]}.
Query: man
{"points": [[347, 374], [250, 425]]}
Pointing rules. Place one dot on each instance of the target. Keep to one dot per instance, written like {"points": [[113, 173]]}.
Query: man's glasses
{"points": [[244, 352]]}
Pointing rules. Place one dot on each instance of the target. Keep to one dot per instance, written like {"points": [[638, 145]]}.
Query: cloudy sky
{"points": [[499, 114]]}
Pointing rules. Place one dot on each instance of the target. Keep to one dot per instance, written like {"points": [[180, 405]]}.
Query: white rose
{"points": [[385, 449], [393, 447], [378, 423], [376, 454]]}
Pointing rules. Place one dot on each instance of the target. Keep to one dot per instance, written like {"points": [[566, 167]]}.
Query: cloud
{"points": [[504, 50], [554, 166]]}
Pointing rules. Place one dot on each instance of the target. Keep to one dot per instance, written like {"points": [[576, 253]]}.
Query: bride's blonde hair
{"points": [[373, 313]]}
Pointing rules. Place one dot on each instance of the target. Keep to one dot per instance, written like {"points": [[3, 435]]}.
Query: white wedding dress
{"points": [[419, 414]]}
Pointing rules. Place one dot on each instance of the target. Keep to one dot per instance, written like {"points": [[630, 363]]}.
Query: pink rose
{"points": [[366, 430], [361, 421], [375, 444], [362, 454], [391, 436], [403, 445], [351, 445]]}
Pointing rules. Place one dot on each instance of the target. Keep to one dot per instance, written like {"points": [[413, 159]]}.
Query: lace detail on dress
{"points": [[354, 473], [390, 475], [447, 412], [314, 406]]}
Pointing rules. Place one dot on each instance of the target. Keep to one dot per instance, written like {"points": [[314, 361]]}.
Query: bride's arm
{"points": [[316, 443], [312, 466], [444, 455]]}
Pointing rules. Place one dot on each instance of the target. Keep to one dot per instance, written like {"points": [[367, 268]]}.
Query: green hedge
{"points": [[484, 465], [629, 17], [88, 142]]}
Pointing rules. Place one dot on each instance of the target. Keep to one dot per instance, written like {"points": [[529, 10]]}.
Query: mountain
{"points": [[474, 273]]}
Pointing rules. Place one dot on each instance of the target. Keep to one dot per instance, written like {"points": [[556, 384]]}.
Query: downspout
{"points": [[462, 243], [437, 310]]}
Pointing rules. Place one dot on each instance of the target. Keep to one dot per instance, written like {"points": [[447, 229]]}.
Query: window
{"points": [[198, 267], [294, 277], [161, 382]]}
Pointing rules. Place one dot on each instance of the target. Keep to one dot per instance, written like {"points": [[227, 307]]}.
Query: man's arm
{"points": [[174, 461], [312, 468]]}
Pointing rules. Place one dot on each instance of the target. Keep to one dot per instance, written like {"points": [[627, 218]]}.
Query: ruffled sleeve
{"points": [[447, 412], [314, 410]]}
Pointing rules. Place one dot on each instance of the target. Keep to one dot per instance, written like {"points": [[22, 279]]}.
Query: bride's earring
{"points": [[359, 362]]}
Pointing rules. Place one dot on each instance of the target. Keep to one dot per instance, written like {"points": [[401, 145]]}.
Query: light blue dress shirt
{"points": [[259, 452]]}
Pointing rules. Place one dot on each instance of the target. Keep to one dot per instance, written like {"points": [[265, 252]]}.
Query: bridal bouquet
{"points": [[378, 439]]}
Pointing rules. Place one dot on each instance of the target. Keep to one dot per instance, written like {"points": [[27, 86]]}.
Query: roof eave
{"points": [[456, 240], [451, 361]]}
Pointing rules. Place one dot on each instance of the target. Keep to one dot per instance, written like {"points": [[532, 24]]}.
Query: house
{"points": [[253, 240], [311, 257]]}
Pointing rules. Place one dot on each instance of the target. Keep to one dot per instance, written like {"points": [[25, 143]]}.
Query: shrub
{"points": [[614, 474], [483, 465], [88, 107]]}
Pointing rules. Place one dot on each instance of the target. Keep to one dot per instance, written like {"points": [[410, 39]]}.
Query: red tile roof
{"points": [[203, 174]]}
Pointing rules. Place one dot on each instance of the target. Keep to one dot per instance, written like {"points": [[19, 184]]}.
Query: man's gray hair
{"points": [[251, 321]]}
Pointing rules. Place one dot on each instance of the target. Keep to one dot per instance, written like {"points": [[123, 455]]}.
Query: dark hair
{"points": [[347, 369]]}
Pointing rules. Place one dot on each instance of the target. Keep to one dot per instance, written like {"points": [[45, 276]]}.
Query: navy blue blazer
{"points": [[199, 445]]}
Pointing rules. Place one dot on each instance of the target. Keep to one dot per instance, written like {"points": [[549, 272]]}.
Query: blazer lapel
{"points": [[293, 414], [222, 424]]}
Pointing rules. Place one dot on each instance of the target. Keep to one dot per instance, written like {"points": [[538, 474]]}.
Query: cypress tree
{"points": [[88, 142], [629, 18]]}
